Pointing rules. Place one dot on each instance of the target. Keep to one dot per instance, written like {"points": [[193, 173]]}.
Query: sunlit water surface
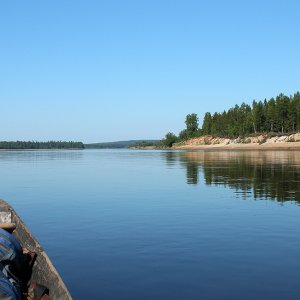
{"points": [[124, 224]]}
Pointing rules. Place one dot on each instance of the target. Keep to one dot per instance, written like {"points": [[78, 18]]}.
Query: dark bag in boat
{"points": [[11, 262], [8, 290]]}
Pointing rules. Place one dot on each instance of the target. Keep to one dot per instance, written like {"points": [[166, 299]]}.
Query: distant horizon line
{"points": [[76, 141]]}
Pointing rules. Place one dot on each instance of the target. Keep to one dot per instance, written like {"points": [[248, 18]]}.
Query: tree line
{"points": [[277, 115], [40, 145]]}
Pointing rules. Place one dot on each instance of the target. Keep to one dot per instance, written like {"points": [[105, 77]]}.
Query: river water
{"points": [[129, 224]]}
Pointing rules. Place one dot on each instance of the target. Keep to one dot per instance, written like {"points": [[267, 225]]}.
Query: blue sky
{"points": [[116, 70]]}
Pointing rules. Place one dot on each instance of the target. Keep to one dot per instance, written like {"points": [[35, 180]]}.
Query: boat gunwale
{"points": [[28, 241]]}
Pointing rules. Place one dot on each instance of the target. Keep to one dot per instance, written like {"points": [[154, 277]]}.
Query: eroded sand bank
{"points": [[262, 142]]}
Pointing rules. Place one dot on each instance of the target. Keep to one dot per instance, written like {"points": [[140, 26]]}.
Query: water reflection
{"points": [[268, 175], [192, 171], [8, 156], [171, 157]]}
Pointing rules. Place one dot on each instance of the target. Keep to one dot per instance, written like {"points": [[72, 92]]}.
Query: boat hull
{"points": [[43, 271]]}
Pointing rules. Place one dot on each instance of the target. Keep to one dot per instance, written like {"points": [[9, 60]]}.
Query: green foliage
{"points": [[271, 115], [169, 140], [192, 123], [183, 135], [282, 107], [297, 104], [18, 145], [144, 144], [121, 144], [280, 116], [207, 123]]}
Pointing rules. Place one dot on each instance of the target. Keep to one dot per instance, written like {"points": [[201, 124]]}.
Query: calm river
{"points": [[159, 225]]}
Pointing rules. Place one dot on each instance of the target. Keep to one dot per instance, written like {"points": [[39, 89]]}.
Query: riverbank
{"points": [[281, 146], [261, 142]]}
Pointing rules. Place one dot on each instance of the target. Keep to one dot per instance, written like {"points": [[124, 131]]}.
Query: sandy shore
{"points": [[254, 146], [261, 142]]}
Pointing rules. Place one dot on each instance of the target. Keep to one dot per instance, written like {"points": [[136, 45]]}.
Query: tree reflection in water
{"points": [[264, 174]]}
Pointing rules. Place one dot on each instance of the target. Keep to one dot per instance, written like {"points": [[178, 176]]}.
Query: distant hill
{"points": [[119, 144]]}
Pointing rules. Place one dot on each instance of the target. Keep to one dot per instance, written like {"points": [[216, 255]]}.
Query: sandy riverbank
{"points": [[262, 142], [281, 146]]}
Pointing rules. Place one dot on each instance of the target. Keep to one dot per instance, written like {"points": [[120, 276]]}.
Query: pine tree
{"points": [[206, 127]]}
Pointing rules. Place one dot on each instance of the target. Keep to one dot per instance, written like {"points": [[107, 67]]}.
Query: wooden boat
{"points": [[43, 272]]}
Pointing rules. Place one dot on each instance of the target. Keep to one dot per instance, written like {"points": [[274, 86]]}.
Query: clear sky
{"points": [[116, 70]]}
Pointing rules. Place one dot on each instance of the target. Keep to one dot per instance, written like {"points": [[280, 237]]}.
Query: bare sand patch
{"points": [[261, 142]]}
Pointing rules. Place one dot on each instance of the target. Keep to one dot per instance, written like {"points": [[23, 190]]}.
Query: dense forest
{"points": [[276, 115], [41, 145]]}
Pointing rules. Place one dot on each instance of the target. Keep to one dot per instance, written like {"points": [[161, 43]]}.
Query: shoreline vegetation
{"points": [[268, 124], [259, 142], [34, 145], [120, 144]]}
